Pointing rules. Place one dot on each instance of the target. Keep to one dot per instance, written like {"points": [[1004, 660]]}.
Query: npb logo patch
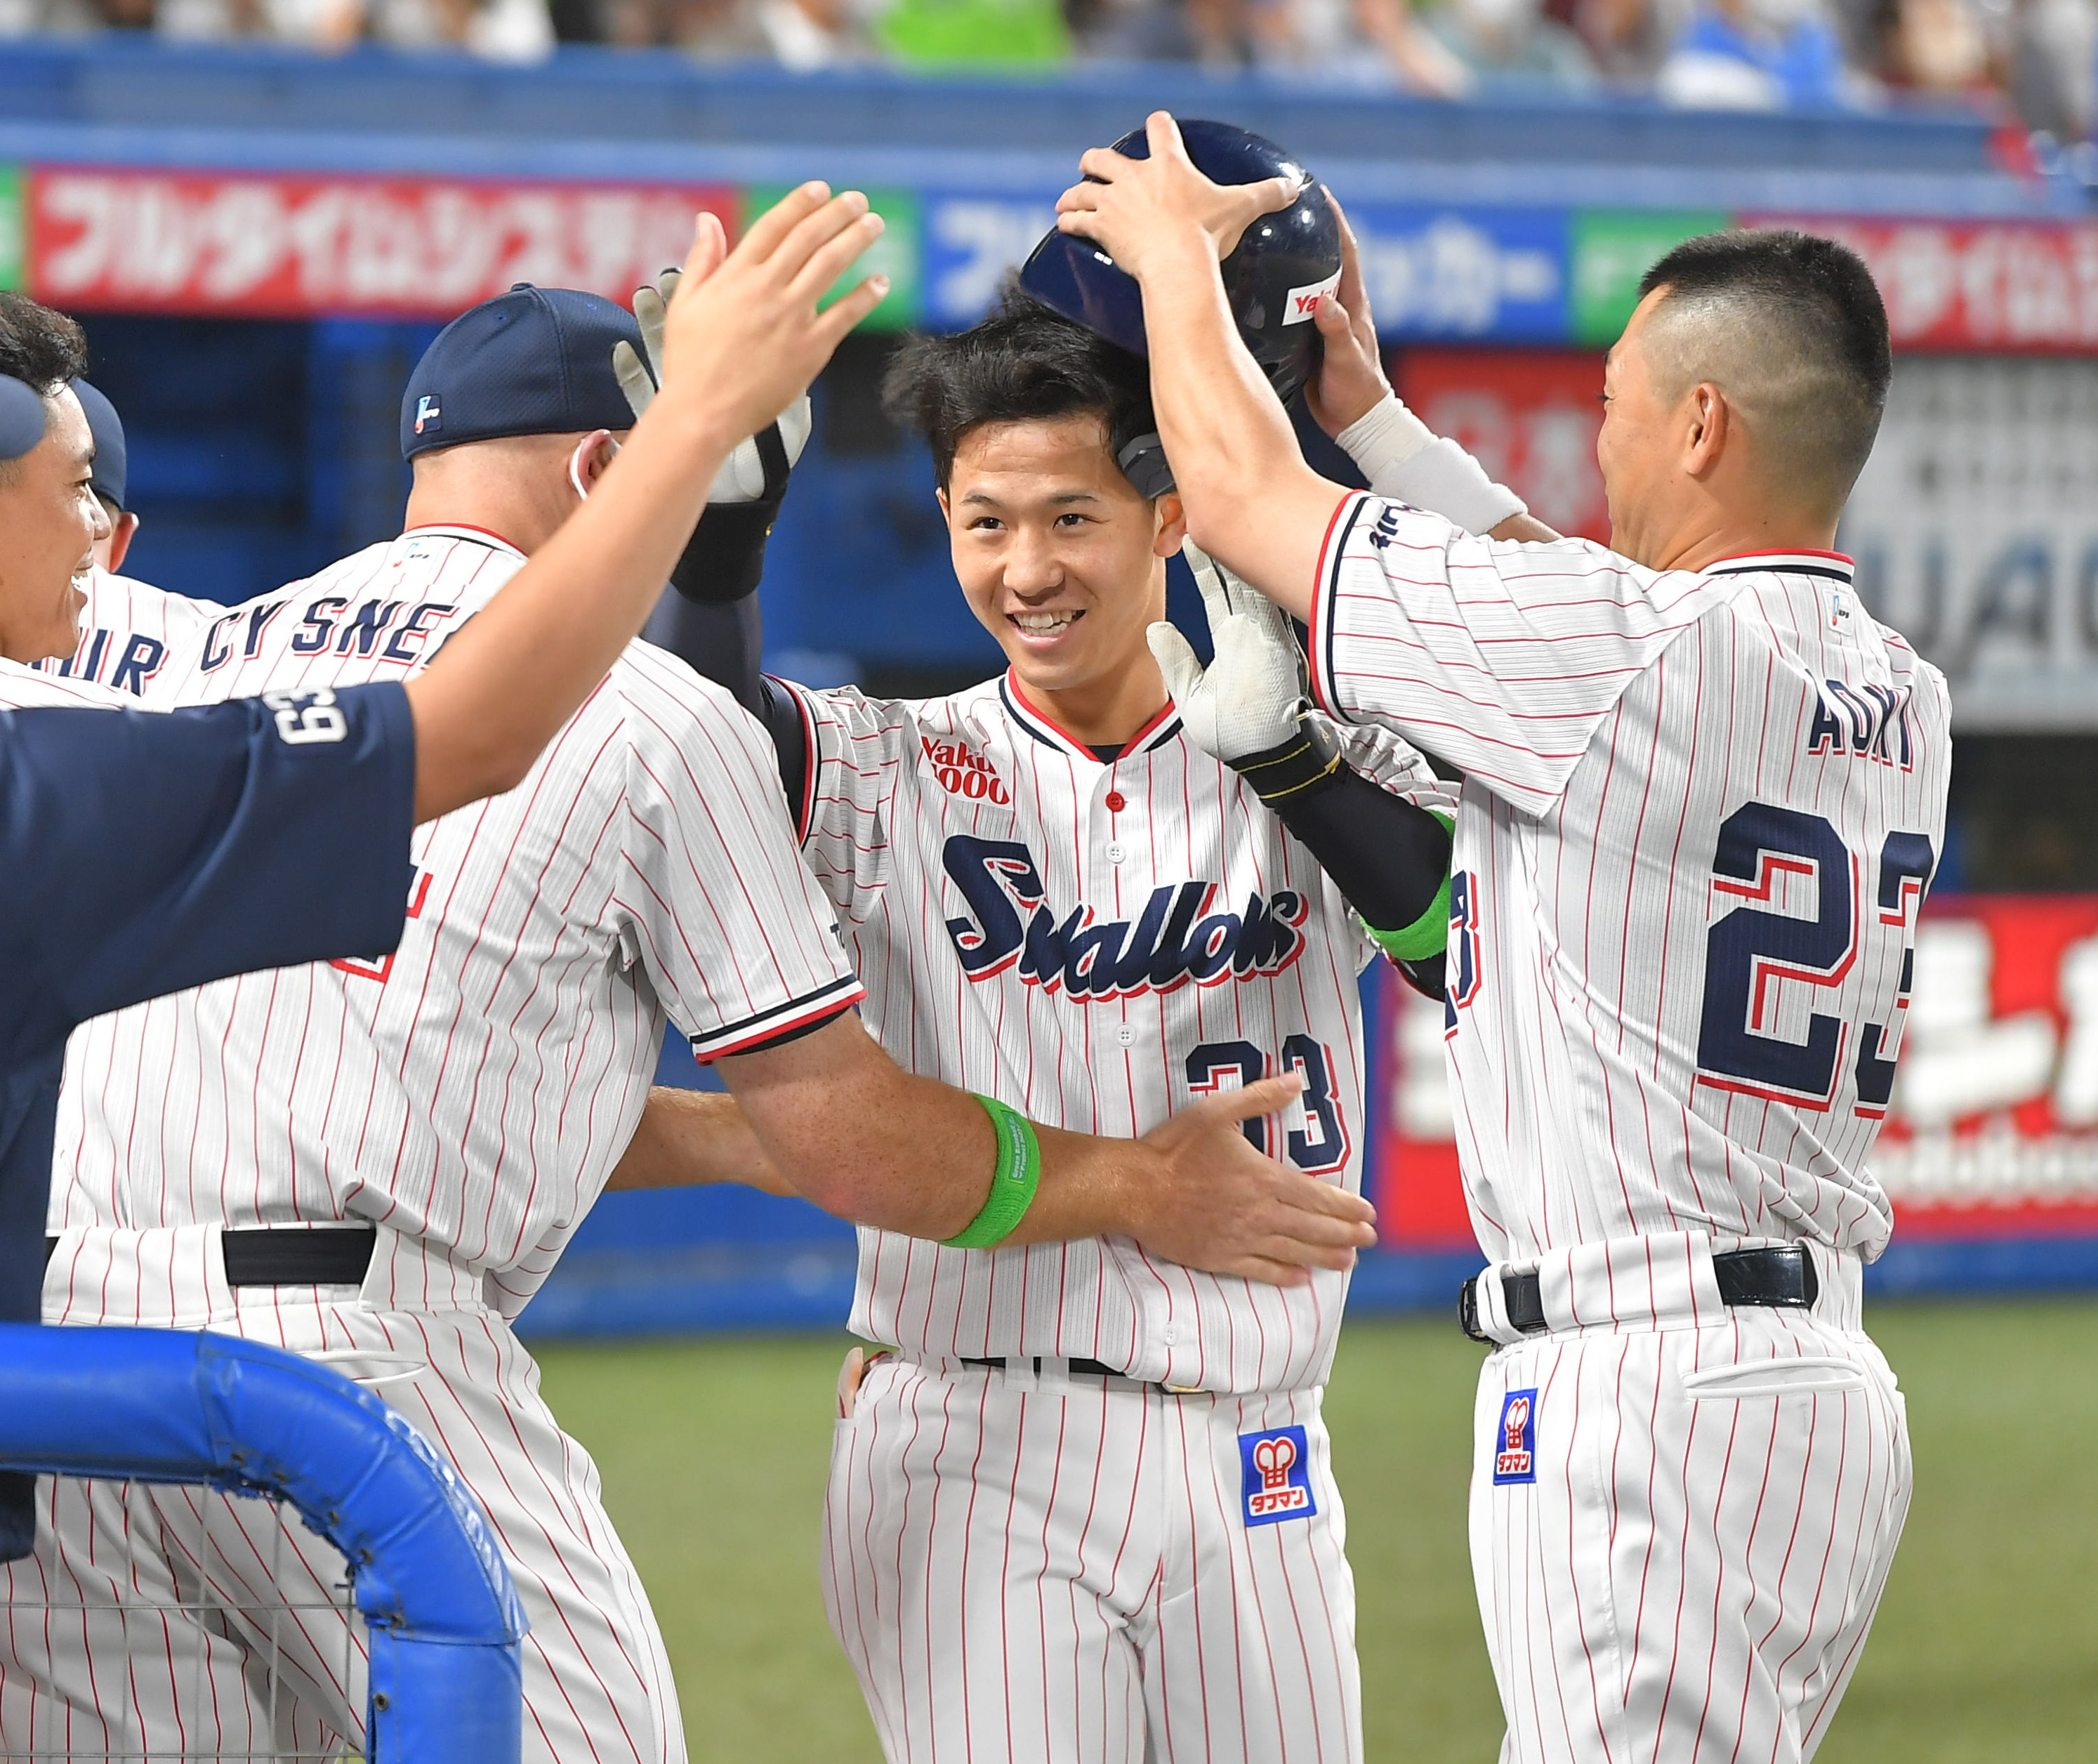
{"points": [[429, 414], [1514, 1452], [1277, 1467]]}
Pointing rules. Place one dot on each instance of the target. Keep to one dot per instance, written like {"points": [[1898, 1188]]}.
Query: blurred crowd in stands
{"points": [[2032, 61]]}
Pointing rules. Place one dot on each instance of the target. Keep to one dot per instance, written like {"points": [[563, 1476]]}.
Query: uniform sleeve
{"points": [[732, 928], [150, 852], [855, 745], [1501, 657], [1394, 766]]}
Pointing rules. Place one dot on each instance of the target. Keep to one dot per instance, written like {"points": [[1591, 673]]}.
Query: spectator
{"points": [[1755, 54], [2050, 65], [1933, 47], [803, 35], [1380, 42], [1511, 40], [1627, 40]]}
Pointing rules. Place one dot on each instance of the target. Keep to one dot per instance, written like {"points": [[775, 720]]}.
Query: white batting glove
{"points": [[1404, 459], [1248, 699], [741, 478]]}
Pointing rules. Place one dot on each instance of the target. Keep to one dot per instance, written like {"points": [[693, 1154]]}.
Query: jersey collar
{"points": [[1154, 735], [456, 530], [1833, 564]]}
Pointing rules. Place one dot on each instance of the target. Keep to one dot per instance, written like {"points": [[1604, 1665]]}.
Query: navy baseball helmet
{"points": [[536, 361], [1274, 278], [112, 461]]}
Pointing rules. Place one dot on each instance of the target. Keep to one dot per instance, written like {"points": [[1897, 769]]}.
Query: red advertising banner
{"points": [[1529, 416], [1993, 1130], [1975, 285], [263, 245]]}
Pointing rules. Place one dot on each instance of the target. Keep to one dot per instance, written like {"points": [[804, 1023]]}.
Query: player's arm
{"points": [[693, 1138], [1398, 455], [863, 1139], [742, 339], [1389, 856]]}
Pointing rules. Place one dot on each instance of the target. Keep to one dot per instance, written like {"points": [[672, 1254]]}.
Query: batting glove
{"points": [[1247, 701], [725, 557]]}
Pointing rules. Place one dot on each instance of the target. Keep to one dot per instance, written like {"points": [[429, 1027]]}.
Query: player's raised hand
{"points": [[744, 478], [1247, 700], [1351, 382], [1133, 210], [743, 335], [1225, 1208]]}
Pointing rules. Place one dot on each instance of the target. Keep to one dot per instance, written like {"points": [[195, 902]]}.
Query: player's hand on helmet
{"points": [[1248, 699], [744, 477], [1132, 208], [1351, 382], [1224, 1208], [742, 334]]}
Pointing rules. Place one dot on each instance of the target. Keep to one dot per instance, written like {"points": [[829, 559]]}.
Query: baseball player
{"points": [[378, 1162], [127, 627], [1705, 796], [273, 831], [1085, 1510]]}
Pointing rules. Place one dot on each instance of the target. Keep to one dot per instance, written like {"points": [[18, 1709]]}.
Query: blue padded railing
{"points": [[170, 1405]]}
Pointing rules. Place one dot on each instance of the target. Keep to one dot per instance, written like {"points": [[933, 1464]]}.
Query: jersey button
{"points": [[1116, 852], [1125, 1035], [1116, 801]]}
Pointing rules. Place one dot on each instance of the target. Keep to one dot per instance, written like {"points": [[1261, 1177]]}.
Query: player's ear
{"points": [[122, 530], [946, 511], [1171, 520], [1711, 427]]}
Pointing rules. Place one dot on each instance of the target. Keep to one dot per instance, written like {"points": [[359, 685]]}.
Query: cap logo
{"points": [[429, 414], [1301, 305]]}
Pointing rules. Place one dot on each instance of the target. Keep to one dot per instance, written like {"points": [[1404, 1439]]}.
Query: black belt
{"points": [[1782, 1276], [328, 1255], [1083, 1368]]}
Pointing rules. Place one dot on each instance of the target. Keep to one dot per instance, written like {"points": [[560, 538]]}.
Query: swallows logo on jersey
{"points": [[1275, 1466], [1515, 1454], [1175, 939]]}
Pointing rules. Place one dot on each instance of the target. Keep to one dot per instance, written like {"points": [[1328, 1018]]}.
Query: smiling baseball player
{"points": [[1085, 1509], [1705, 796]]}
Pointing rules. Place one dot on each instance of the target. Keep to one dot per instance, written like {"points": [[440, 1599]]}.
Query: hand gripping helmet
{"points": [[1274, 278]]}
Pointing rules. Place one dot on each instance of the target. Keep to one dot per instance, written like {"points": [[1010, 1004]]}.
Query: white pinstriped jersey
{"points": [[1700, 813], [130, 631], [1092, 943], [474, 1090]]}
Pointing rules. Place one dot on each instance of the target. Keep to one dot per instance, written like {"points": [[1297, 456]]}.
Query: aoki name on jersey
{"points": [[1177, 937]]}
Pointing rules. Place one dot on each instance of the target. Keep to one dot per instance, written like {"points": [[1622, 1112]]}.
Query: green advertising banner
{"points": [[1613, 248], [897, 254], [14, 228]]}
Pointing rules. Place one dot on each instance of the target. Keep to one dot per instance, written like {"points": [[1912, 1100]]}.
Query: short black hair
{"points": [[1025, 362], [1814, 301], [39, 347]]}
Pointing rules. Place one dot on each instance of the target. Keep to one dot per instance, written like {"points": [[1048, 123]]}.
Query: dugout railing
{"points": [[442, 1618]]}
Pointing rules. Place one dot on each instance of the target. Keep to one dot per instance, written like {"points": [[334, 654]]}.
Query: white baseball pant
{"points": [[1052, 1568], [1694, 1511], [139, 1677]]}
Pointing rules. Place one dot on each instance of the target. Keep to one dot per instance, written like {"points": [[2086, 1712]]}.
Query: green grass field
{"points": [[1986, 1649]]}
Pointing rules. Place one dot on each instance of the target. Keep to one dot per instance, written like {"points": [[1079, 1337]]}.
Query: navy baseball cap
{"points": [[111, 462], [21, 417], [536, 361]]}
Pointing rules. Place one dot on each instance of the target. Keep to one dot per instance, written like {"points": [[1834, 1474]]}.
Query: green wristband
{"points": [[1427, 935], [1012, 1183]]}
